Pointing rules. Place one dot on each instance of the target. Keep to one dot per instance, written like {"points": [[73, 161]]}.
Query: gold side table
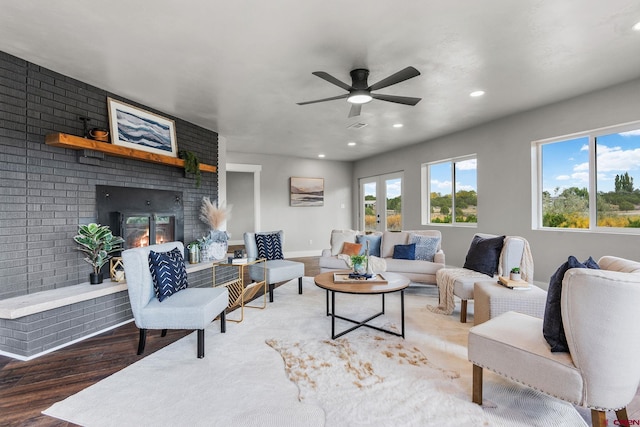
{"points": [[238, 292]]}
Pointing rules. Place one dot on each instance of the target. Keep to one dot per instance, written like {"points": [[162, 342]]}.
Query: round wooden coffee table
{"points": [[395, 283]]}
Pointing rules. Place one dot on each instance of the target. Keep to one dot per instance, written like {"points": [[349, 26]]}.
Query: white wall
{"points": [[306, 229], [503, 148]]}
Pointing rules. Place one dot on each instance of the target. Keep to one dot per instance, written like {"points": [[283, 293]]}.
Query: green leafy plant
{"points": [[191, 165], [97, 242], [358, 259], [515, 270]]}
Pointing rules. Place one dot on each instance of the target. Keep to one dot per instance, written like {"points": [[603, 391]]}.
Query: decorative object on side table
{"points": [[515, 274], [215, 245], [97, 242]]}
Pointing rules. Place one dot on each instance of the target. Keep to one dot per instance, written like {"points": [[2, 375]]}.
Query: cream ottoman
{"points": [[493, 299]]}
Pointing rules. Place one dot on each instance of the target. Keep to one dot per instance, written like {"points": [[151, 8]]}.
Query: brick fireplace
{"points": [[47, 191]]}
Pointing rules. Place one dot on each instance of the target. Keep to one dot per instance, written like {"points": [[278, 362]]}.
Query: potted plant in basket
{"points": [[515, 273], [97, 242]]}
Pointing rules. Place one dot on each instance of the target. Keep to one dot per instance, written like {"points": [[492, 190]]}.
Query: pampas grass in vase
{"points": [[215, 245]]}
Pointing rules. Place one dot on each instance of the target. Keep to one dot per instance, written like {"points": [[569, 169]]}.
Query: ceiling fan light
{"points": [[359, 97]]}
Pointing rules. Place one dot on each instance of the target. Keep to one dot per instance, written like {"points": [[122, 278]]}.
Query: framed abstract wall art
{"points": [[307, 191], [135, 128]]}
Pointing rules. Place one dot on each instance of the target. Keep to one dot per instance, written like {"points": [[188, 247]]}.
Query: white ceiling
{"points": [[239, 67]]}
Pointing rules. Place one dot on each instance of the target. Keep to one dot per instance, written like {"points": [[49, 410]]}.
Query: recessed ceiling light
{"points": [[636, 27], [351, 144], [321, 156], [398, 125], [477, 93]]}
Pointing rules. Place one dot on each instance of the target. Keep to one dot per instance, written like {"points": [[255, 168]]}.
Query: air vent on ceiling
{"points": [[357, 126]]}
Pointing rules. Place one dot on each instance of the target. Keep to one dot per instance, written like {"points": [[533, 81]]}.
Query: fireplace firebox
{"points": [[141, 216]]}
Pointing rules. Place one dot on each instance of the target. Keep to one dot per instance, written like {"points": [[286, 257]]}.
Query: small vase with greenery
{"points": [[515, 274], [98, 243], [359, 263], [191, 165]]}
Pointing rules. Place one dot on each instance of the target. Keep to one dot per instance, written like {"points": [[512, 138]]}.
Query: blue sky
{"points": [[466, 176], [566, 164]]}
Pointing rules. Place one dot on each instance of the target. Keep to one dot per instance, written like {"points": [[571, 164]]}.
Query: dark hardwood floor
{"points": [[27, 388]]}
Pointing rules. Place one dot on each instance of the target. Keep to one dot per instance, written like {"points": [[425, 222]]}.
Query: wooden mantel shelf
{"points": [[78, 143]]}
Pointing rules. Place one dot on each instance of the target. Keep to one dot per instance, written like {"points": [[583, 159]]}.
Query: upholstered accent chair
{"points": [[599, 310], [269, 245], [190, 308], [511, 256]]}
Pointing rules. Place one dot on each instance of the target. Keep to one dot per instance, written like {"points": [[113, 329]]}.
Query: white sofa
{"points": [[415, 270]]}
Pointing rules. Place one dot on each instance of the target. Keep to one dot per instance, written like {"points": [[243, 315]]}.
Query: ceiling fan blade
{"points": [[398, 77], [407, 100], [346, 95], [328, 77], [355, 110]]}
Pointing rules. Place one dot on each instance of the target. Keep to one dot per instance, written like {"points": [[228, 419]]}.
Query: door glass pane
{"points": [[136, 231], [369, 207], [441, 188], [618, 174], [466, 198], [165, 225], [394, 204], [565, 183]]}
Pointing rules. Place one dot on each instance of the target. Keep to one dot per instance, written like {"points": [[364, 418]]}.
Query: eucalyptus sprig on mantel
{"points": [[191, 164]]}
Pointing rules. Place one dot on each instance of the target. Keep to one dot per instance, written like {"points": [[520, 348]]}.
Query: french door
{"points": [[381, 202]]}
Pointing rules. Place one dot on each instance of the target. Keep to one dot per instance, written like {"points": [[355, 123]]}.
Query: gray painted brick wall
{"points": [[47, 191]]}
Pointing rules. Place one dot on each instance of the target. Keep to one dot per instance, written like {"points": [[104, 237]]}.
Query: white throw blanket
{"points": [[375, 263], [446, 278]]}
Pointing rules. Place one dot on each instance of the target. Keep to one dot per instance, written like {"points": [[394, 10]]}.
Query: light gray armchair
{"points": [[278, 270], [190, 308], [600, 314]]}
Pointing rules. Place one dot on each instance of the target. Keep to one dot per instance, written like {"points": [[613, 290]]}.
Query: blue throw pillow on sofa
{"points": [[374, 243], [404, 251], [168, 272], [426, 246], [552, 326], [484, 254]]}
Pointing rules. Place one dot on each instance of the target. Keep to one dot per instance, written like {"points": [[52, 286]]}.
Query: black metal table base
{"points": [[332, 312]]}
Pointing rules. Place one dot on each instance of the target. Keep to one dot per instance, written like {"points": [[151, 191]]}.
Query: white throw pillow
{"points": [[338, 237]]}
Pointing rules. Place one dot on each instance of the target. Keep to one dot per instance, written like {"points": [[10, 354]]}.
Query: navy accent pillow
{"points": [[426, 246], [484, 254], [404, 251], [374, 243], [552, 326], [168, 272], [269, 246]]}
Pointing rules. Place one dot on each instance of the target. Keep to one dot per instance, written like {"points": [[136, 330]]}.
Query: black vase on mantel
{"points": [[95, 278]]}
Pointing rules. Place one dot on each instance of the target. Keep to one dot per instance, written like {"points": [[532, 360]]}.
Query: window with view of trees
{"points": [[451, 191], [587, 182]]}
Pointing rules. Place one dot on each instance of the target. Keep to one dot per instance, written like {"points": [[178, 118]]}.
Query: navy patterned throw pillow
{"points": [[168, 272], [269, 246]]}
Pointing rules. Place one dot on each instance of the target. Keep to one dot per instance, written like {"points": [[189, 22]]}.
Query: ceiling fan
{"points": [[360, 91]]}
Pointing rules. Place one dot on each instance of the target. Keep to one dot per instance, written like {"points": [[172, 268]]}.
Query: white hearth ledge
{"points": [[24, 305]]}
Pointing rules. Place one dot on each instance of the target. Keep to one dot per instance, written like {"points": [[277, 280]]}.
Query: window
{"points": [[586, 181], [451, 195]]}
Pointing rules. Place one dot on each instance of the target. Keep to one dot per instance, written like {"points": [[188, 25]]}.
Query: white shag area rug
{"points": [[279, 367]]}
